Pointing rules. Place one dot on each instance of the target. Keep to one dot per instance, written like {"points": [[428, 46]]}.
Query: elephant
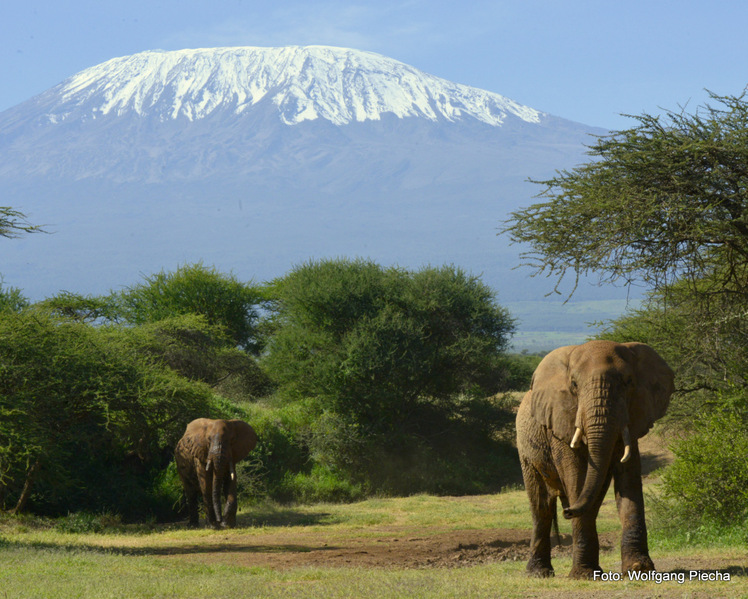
{"points": [[206, 458], [577, 427]]}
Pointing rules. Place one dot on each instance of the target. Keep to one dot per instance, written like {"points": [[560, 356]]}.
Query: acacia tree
{"points": [[196, 289], [395, 365], [13, 223], [372, 342], [665, 200]]}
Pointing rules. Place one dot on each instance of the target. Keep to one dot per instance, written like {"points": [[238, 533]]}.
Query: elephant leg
{"points": [[191, 493], [206, 489], [630, 502], [229, 513], [190, 485], [542, 507], [586, 545]]}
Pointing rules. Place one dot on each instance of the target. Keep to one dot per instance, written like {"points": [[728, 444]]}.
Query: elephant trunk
{"points": [[217, 461], [597, 420]]}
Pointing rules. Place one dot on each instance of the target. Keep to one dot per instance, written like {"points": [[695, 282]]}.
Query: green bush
{"points": [[393, 365], [86, 422], [707, 484], [516, 371], [282, 449], [320, 484], [11, 298], [372, 342], [197, 289]]}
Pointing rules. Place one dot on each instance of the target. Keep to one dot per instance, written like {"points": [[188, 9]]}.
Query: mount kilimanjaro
{"points": [[257, 159]]}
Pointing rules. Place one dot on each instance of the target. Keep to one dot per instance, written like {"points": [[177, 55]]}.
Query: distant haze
{"points": [[257, 159]]}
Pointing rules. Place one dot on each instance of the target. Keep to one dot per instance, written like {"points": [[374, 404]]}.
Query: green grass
{"points": [[41, 559]]}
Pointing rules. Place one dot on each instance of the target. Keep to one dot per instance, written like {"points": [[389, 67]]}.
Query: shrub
{"points": [[371, 343], [320, 485], [196, 289], [708, 482], [393, 366], [86, 423]]}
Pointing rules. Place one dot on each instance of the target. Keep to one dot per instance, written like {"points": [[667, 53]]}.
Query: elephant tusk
{"points": [[233, 470], [626, 445], [207, 466], [577, 436]]}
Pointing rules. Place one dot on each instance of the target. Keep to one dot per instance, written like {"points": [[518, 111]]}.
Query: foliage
{"points": [[371, 342], [199, 351], [320, 484], [394, 364], [196, 289], [13, 223], [664, 199], [281, 449], [86, 422], [708, 482], [517, 370], [12, 299], [81, 308]]}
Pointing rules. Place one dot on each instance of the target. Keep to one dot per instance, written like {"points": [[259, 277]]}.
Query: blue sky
{"points": [[584, 60]]}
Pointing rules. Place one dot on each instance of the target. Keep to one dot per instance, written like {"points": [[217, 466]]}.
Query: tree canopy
{"points": [[196, 289], [397, 365], [85, 421], [664, 200], [372, 341]]}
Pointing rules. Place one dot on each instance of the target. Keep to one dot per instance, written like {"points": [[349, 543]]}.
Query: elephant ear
{"points": [[551, 401], [654, 385], [244, 439]]}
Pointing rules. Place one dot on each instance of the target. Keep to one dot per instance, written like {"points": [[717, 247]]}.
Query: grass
{"points": [[41, 559]]}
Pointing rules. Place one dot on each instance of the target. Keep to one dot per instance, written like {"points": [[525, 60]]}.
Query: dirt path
{"points": [[385, 547]]}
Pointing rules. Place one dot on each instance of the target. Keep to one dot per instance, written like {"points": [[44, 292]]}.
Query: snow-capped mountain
{"points": [[304, 83], [256, 159]]}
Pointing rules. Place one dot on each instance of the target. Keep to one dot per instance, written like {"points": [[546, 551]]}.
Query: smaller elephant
{"points": [[206, 458]]}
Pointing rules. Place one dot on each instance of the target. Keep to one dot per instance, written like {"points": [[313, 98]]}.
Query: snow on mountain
{"points": [[304, 83]]}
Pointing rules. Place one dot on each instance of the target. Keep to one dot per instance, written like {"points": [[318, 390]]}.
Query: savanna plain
{"points": [[418, 546]]}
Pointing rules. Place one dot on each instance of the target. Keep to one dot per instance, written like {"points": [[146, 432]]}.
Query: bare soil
{"points": [[385, 547], [390, 547]]}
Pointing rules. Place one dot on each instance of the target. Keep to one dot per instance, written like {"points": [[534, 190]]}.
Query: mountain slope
{"points": [[255, 159]]}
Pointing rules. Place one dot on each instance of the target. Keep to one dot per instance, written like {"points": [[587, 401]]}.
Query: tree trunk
{"points": [[26, 491]]}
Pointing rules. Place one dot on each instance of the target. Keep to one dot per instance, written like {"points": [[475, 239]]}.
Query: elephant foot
{"points": [[539, 569], [581, 572], [637, 563]]}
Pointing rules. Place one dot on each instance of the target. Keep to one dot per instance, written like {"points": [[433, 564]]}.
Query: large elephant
{"points": [[206, 457], [577, 428]]}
